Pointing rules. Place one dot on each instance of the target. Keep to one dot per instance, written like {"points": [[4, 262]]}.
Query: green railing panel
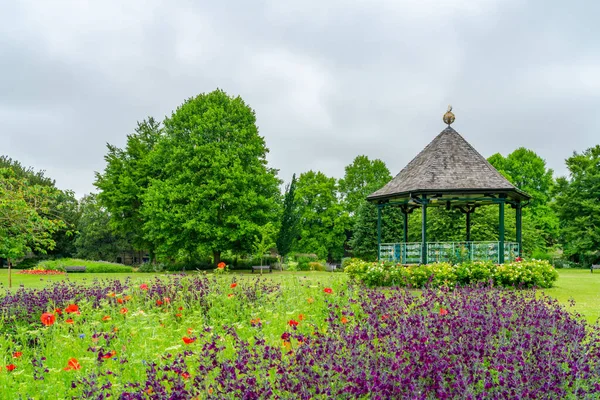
{"points": [[454, 252]]}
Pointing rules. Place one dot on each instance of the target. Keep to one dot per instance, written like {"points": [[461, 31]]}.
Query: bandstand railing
{"points": [[411, 253]]}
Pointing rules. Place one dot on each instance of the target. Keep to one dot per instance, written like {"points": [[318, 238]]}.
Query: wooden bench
{"points": [[261, 267], [593, 267], [75, 268]]}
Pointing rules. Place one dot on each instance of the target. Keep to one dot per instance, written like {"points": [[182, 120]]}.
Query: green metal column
{"points": [[405, 215], [378, 232], [424, 230], [468, 225], [501, 233], [519, 229]]}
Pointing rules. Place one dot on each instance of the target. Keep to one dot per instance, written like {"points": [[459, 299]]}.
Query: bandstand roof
{"points": [[449, 169]]}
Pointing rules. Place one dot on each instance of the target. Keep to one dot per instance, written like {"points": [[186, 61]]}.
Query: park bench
{"points": [[75, 268], [593, 267], [331, 267], [261, 267]]}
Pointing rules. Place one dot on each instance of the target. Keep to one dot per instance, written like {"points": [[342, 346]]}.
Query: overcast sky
{"points": [[329, 80]]}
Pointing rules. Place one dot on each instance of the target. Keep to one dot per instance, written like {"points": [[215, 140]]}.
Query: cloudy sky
{"points": [[329, 79]]}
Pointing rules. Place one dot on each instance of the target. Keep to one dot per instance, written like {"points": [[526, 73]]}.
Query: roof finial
{"points": [[449, 116]]}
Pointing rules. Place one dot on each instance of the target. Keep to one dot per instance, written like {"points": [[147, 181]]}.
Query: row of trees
{"points": [[198, 185]]}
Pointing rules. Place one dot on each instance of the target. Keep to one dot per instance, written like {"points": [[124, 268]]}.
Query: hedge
{"points": [[531, 273]]}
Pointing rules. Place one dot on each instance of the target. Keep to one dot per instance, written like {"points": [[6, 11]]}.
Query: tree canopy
{"points": [[213, 189], [578, 206]]}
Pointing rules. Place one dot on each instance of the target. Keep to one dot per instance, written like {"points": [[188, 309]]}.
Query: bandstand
{"points": [[449, 173]]}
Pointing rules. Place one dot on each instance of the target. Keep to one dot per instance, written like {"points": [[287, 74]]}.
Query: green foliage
{"points": [[532, 273], [27, 221], [362, 178], [289, 231], [214, 189], [364, 236], [91, 266], [96, 240], [528, 172], [263, 242], [578, 205], [63, 205], [126, 178], [323, 222]]}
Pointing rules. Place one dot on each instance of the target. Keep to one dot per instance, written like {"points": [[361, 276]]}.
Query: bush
{"points": [[90, 266], [316, 266], [532, 273], [345, 262]]}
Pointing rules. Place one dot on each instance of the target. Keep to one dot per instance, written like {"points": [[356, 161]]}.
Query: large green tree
{"points": [[323, 221], [578, 205], [288, 232], [27, 220], [214, 189], [361, 178], [126, 177], [528, 172], [364, 238], [64, 205]]}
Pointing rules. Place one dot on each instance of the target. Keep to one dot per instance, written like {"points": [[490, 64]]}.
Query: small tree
{"points": [[288, 233], [265, 242]]}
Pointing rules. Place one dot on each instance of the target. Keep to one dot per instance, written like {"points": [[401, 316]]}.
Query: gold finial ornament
{"points": [[449, 116]]}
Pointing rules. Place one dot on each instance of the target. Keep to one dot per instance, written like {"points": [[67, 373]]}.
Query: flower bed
{"points": [[525, 274], [41, 271], [193, 337]]}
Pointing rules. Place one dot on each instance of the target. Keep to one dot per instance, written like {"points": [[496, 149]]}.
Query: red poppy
{"points": [[178, 315], [72, 308], [69, 321], [189, 331], [293, 323], [144, 286], [58, 311], [328, 290], [159, 302], [72, 364], [120, 301], [188, 340], [106, 318], [17, 354], [11, 367], [180, 308], [301, 317], [111, 294], [110, 354], [233, 285], [127, 298], [124, 310], [443, 311], [185, 375], [221, 265], [230, 295], [167, 300], [48, 318], [344, 320], [384, 317]]}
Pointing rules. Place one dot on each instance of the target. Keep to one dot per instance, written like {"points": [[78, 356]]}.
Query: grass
{"points": [[581, 286], [577, 284]]}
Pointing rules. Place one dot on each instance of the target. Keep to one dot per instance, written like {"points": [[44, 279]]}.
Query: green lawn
{"points": [[583, 287], [577, 284]]}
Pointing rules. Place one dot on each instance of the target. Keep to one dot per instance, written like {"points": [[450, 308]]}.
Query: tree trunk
{"points": [[9, 273], [216, 257]]}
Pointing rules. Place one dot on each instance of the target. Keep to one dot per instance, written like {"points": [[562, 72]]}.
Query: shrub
{"points": [[345, 262], [90, 266], [316, 266], [532, 273]]}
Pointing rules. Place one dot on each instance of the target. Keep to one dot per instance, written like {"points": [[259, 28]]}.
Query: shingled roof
{"points": [[448, 165]]}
